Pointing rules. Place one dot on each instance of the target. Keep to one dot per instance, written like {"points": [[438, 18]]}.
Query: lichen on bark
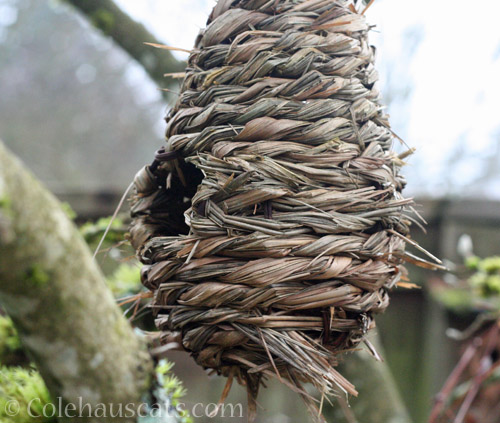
{"points": [[54, 292]]}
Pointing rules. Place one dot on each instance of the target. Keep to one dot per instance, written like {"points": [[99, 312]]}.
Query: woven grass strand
{"points": [[272, 224]]}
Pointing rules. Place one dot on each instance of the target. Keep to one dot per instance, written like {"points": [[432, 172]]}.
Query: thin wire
{"points": [[120, 204]]}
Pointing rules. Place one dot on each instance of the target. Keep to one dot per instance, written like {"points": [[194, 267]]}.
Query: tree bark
{"points": [[66, 317], [131, 36]]}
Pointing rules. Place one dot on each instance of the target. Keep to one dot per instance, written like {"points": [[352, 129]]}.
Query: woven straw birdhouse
{"points": [[272, 224]]}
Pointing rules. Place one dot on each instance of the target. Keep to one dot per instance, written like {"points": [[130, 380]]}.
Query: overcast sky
{"points": [[439, 63]]}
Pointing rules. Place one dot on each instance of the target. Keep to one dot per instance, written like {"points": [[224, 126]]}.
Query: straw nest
{"points": [[272, 224]]}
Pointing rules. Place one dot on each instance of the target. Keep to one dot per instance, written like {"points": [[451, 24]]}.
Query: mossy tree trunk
{"points": [[66, 317]]}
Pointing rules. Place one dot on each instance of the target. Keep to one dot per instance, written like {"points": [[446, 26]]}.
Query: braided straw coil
{"points": [[272, 224]]}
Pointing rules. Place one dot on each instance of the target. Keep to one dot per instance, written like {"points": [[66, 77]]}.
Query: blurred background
{"points": [[85, 117]]}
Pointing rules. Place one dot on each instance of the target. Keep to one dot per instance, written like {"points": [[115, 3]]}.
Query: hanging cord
{"points": [[120, 204], [160, 155]]}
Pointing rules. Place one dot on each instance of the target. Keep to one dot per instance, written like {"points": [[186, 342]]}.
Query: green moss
{"points": [[5, 207], [37, 276], [103, 20], [10, 345], [68, 210], [5, 202], [26, 388], [119, 328], [125, 280]]}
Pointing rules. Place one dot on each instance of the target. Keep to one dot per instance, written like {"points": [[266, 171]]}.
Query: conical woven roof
{"points": [[279, 152]]}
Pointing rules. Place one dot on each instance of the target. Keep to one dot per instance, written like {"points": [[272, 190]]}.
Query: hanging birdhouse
{"points": [[271, 224]]}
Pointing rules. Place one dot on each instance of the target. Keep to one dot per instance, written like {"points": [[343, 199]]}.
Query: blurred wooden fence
{"points": [[413, 328]]}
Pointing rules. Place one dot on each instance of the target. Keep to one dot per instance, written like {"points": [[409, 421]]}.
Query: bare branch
{"points": [[130, 36]]}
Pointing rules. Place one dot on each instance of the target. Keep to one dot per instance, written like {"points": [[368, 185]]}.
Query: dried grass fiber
{"points": [[295, 227]]}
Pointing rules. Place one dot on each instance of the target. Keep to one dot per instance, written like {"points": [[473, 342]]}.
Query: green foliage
{"points": [[458, 300], [486, 280], [172, 388], [26, 387], [10, 345], [490, 265], [472, 262], [171, 384], [125, 280], [477, 287], [93, 231]]}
